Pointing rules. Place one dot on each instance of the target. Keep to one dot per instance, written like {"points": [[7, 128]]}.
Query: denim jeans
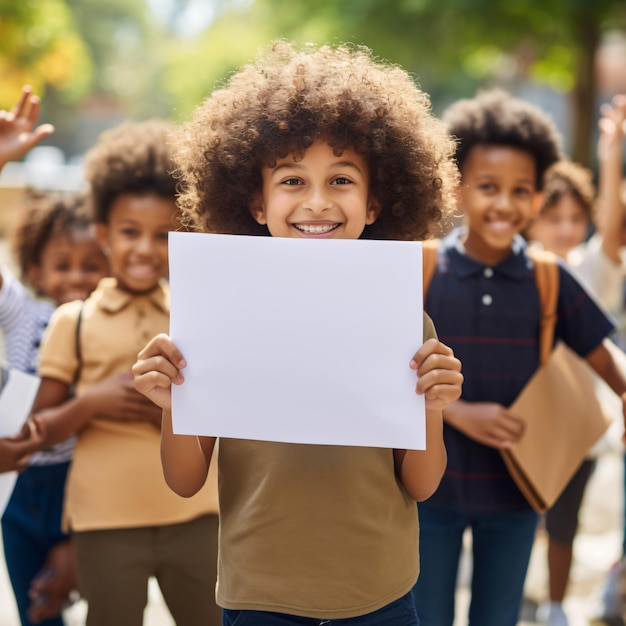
{"points": [[30, 527], [398, 613], [501, 547]]}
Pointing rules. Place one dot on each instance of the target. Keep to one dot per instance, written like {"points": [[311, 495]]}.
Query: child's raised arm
{"points": [[611, 211], [604, 361], [185, 458], [18, 133], [439, 381]]}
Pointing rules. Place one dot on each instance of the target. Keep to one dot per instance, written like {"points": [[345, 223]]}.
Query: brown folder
{"points": [[563, 421]]}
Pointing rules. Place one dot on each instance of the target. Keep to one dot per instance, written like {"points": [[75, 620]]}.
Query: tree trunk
{"points": [[584, 94]]}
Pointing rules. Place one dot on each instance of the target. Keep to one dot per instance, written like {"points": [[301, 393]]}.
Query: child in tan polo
{"points": [[126, 523]]}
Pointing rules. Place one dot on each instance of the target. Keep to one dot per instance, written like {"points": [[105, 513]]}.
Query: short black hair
{"points": [[495, 117], [134, 157]]}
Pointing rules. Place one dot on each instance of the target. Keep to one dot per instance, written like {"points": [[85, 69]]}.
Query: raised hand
{"points": [[18, 130]]}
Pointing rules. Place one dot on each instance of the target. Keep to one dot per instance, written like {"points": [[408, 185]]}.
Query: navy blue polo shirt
{"points": [[490, 317]]}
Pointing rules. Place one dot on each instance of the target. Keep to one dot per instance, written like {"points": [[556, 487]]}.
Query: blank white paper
{"points": [[294, 340], [16, 399]]}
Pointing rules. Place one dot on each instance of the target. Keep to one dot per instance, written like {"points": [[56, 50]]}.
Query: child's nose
{"points": [[145, 245], [317, 201], [503, 201]]}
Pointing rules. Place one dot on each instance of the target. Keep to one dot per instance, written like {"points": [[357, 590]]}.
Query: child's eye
{"points": [[341, 180], [487, 187], [291, 181], [62, 267], [162, 236], [523, 191], [129, 232]]}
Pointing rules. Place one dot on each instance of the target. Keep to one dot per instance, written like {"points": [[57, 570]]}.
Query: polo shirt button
{"points": [[487, 299], [488, 272]]}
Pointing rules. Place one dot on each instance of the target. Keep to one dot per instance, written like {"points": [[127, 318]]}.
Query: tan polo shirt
{"points": [[116, 479], [325, 532]]}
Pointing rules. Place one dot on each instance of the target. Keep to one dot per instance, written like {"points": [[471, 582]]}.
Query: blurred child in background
{"points": [[60, 259]]}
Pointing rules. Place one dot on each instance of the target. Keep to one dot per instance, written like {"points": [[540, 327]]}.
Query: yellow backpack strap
{"points": [[430, 249], [547, 279]]}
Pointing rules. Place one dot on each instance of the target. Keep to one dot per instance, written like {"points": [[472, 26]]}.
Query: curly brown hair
{"points": [[568, 178], [291, 96], [495, 117], [135, 157], [46, 214]]}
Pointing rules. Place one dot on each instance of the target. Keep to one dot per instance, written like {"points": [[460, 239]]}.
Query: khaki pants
{"points": [[114, 567]]}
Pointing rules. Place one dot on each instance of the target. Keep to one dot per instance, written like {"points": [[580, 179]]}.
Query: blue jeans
{"points": [[31, 525], [501, 547], [398, 613]]}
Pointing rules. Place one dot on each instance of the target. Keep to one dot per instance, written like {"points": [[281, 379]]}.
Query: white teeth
{"points": [[316, 229]]}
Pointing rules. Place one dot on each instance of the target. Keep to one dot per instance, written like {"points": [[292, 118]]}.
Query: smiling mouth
{"points": [[316, 229]]}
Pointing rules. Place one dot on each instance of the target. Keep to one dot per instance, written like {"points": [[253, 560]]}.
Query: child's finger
{"points": [[432, 346], [18, 109], [431, 381], [162, 345]]}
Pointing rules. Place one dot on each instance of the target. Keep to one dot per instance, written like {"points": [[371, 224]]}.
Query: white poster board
{"points": [[297, 340], [16, 399]]}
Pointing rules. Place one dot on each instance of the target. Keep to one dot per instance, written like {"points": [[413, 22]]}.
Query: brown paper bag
{"points": [[563, 421]]}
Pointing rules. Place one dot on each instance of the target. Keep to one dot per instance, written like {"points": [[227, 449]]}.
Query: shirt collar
{"points": [[113, 299], [515, 266]]}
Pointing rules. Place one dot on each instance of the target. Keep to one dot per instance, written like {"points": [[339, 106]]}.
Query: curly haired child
{"points": [[126, 524], [309, 143], [485, 300]]}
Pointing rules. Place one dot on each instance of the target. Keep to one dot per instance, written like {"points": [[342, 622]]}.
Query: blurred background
{"points": [[98, 62]]}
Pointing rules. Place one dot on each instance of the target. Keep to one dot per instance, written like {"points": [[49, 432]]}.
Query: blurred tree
{"points": [[452, 46], [40, 46]]}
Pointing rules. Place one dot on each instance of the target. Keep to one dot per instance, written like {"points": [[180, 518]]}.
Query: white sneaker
{"points": [[611, 604], [552, 614]]}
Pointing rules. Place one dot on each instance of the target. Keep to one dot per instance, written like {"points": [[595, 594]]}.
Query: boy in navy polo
{"points": [[484, 300]]}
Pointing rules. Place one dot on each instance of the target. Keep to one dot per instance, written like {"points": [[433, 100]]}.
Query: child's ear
{"points": [[537, 202], [33, 273], [102, 233], [373, 211], [257, 210]]}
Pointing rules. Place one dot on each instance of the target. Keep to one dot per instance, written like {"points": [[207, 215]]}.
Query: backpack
{"points": [[546, 278]]}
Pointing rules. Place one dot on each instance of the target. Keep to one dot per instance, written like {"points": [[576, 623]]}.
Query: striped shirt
{"points": [[23, 321], [490, 317]]}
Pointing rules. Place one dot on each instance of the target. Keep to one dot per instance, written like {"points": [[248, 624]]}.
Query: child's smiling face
{"points": [[319, 196], [498, 197], [562, 226], [71, 266], [136, 235]]}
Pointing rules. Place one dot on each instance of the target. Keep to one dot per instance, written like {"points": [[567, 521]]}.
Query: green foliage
{"points": [[40, 46]]}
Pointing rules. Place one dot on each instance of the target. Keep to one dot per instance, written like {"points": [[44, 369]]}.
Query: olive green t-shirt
{"points": [[312, 530]]}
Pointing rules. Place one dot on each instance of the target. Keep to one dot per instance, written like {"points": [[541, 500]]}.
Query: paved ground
{"points": [[596, 547]]}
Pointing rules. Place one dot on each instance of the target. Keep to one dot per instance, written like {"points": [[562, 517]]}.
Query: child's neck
{"points": [[481, 251], [134, 292]]}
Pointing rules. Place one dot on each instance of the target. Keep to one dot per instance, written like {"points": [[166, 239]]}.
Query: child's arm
{"points": [[114, 398], [185, 458], [604, 362], [15, 452], [439, 380], [18, 133], [611, 212], [488, 423]]}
